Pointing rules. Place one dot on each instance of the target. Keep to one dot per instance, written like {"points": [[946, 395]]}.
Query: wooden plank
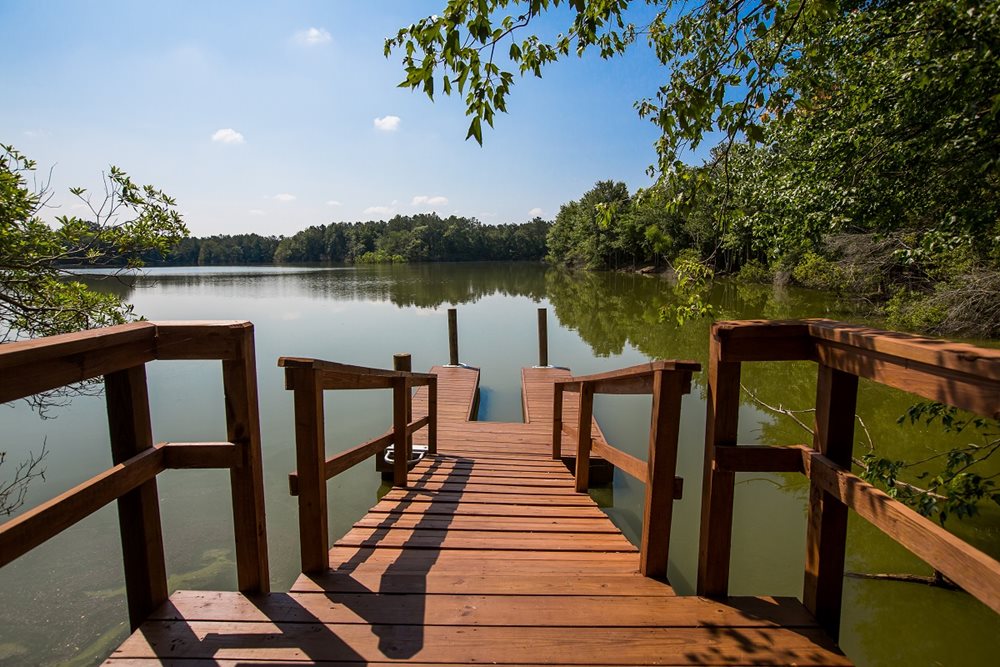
{"points": [[239, 384], [450, 496], [336, 367], [976, 572], [130, 432], [540, 480], [310, 459], [970, 392], [432, 415], [557, 417], [33, 366], [439, 583], [762, 340], [606, 611], [483, 561], [583, 440], [962, 358], [33, 527], [826, 526], [625, 462], [668, 389], [200, 339], [516, 524], [429, 507], [718, 486], [760, 458], [525, 489], [465, 644], [180, 455], [639, 370], [483, 539]]}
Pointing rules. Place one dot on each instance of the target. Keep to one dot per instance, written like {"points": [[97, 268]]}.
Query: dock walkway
{"points": [[488, 556]]}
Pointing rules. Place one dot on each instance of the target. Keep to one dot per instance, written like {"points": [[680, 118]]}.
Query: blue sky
{"points": [[269, 117]]}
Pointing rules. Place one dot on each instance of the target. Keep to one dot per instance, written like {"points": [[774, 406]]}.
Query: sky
{"points": [[271, 117]]}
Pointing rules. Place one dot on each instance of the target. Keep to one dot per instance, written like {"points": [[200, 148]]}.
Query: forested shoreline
{"points": [[416, 238]]}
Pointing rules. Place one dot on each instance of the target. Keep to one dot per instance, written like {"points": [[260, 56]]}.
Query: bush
{"points": [[818, 272], [754, 271], [380, 257], [914, 311]]}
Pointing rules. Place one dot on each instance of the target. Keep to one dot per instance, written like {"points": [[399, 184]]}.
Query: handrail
{"points": [[119, 354], [308, 378], [667, 382], [957, 374]]}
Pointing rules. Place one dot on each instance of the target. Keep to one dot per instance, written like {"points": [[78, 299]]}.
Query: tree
{"points": [[863, 133], [38, 293], [728, 62]]}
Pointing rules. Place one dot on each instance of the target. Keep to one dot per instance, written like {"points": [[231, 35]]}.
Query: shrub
{"points": [[754, 271], [818, 272]]}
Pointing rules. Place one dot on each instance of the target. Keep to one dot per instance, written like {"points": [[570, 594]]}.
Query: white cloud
{"points": [[379, 210], [37, 134], [535, 212], [387, 123], [227, 135], [333, 202], [313, 37], [256, 211], [284, 197], [424, 200]]}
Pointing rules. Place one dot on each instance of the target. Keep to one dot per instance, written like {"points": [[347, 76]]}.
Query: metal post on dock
{"points": [[543, 338], [453, 337]]}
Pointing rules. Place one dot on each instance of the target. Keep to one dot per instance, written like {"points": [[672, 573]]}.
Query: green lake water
{"points": [[64, 602]]}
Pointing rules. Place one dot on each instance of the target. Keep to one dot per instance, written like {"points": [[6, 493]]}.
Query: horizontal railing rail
{"points": [[119, 354], [308, 379], [960, 375], [667, 382]]}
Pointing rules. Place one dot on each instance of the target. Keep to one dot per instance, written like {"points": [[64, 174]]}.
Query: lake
{"points": [[64, 602]]}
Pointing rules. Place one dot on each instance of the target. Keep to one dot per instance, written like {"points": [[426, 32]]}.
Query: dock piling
{"points": [[402, 400], [543, 338], [453, 337]]}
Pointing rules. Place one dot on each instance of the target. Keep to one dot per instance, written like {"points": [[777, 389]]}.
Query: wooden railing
{"points": [[667, 381], [960, 375], [308, 378], [120, 354]]}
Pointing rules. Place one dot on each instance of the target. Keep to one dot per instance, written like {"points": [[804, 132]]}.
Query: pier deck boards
{"points": [[488, 556]]}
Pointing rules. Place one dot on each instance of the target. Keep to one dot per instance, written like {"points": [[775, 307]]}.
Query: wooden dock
{"points": [[490, 550], [489, 555]]}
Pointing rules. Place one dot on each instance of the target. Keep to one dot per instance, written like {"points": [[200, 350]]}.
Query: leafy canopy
{"points": [[726, 60], [38, 293]]}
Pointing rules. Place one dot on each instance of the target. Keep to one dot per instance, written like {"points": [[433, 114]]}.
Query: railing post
{"points": [[453, 337], [668, 388], [718, 487], [239, 381], [400, 405], [826, 531], [139, 509], [310, 457], [432, 413], [543, 338], [403, 362], [583, 443], [557, 419]]}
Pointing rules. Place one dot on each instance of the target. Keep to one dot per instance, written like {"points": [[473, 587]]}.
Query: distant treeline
{"points": [[417, 238]]}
